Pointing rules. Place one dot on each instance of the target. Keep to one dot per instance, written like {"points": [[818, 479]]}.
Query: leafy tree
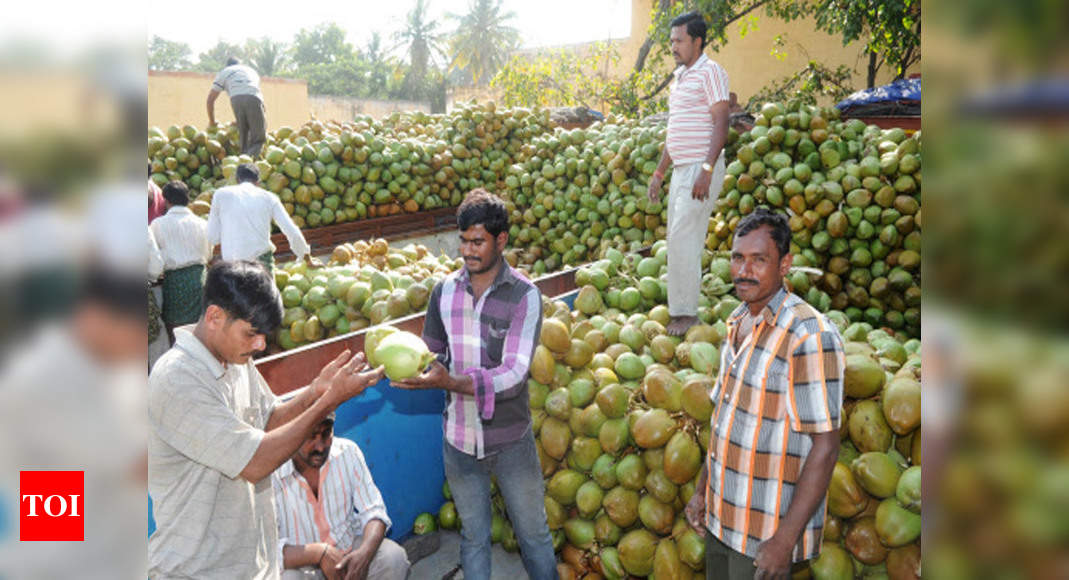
{"points": [[483, 40], [269, 57], [565, 78], [214, 59], [381, 68], [891, 29], [166, 54], [323, 44], [423, 46], [812, 82]]}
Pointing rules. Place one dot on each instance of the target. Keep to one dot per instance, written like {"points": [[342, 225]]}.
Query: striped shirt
{"points": [[347, 501], [784, 381], [492, 341], [238, 79], [690, 119]]}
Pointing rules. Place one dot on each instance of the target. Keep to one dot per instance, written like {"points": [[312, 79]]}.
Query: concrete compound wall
{"points": [[748, 59], [341, 109], [178, 98]]}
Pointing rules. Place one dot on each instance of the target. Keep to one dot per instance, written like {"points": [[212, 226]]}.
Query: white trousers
{"points": [[390, 563], [688, 226]]}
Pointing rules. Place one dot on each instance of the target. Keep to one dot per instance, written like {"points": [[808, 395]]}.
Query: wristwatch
{"points": [[707, 167]]}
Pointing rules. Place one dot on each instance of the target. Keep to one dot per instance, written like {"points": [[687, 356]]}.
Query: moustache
{"points": [[738, 281]]}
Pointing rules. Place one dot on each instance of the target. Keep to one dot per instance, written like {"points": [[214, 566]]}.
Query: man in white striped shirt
{"points": [[698, 112], [332, 520]]}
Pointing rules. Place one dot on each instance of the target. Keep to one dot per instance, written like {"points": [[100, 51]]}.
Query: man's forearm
{"points": [[374, 532], [716, 147], [460, 384], [665, 161], [298, 556], [812, 485], [287, 411], [279, 444]]}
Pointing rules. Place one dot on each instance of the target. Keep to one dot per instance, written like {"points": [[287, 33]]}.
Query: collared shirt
{"points": [[206, 422], [690, 119], [240, 220], [348, 499], [238, 79], [155, 258], [783, 382], [182, 237], [492, 340]]}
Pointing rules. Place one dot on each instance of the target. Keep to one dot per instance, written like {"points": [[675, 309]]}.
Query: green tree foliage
{"points": [[423, 47], [815, 82], [166, 54], [565, 78], [269, 57], [324, 44], [483, 39], [214, 59], [891, 30]]}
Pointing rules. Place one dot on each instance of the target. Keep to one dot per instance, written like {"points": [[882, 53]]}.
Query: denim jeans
{"points": [[519, 477]]}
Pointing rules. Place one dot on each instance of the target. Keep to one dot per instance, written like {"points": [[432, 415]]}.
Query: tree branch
{"points": [[644, 50]]}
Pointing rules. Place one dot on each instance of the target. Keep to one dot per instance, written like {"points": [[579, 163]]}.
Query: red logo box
{"points": [[51, 506]]}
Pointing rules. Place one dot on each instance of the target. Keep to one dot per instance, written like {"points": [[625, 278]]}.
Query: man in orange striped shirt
{"points": [[698, 110], [761, 493]]}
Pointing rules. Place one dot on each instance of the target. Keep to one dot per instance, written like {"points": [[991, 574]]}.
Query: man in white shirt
{"points": [[217, 432], [242, 83], [332, 520], [240, 220], [182, 237]]}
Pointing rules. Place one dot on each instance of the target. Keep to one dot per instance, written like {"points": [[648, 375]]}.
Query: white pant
{"points": [[688, 225], [390, 563]]}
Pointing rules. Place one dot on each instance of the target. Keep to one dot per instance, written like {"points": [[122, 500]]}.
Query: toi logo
{"points": [[51, 506]]}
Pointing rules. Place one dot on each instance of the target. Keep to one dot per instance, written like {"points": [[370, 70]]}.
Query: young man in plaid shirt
{"points": [[484, 322], [762, 491]]}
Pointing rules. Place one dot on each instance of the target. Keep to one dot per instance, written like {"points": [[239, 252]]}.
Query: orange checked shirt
{"points": [[784, 381]]}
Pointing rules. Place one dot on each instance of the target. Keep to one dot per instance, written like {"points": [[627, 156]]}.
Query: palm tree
{"points": [[483, 40], [423, 43], [267, 56]]}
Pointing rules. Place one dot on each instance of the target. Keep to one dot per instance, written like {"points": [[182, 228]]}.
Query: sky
{"points": [[201, 23]]}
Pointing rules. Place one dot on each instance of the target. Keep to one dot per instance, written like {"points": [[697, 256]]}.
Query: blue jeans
{"points": [[519, 477]]}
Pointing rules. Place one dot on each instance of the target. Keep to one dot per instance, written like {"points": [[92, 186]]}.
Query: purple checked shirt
{"points": [[492, 341]]}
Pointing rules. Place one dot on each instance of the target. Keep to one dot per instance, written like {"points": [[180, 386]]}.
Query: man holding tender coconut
{"points": [[483, 324], [217, 432]]}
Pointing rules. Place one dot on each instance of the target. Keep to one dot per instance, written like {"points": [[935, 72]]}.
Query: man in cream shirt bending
{"points": [[240, 221]]}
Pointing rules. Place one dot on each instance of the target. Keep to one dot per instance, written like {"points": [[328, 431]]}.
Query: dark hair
{"points": [[248, 172], [176, 193], [482, 207], [246, 291], [777, 223], [232, 61], [118, 292], [695, 24]]}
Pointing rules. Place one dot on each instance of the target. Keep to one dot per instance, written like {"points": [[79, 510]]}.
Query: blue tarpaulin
{"points": [[900, 90]]}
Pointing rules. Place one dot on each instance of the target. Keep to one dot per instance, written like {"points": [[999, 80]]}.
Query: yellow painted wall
{"points": [[748, 60], [178, 98], [343, 109]]}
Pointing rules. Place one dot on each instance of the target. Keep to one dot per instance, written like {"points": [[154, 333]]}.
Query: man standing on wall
{"points": [[698, 112]]}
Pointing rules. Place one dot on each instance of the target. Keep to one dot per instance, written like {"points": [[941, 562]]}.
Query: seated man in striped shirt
{"points": [[483, 322], [332, 521]]}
